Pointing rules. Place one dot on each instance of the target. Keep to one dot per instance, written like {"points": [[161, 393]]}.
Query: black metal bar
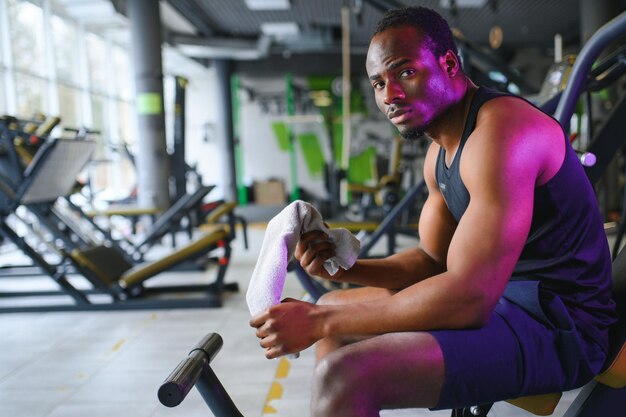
{"points": [[209, 301], [597, 399], [608, 140], [312, 287], [196, 370], [176, 386], [586, 58], [178, 166], [215, 396], [390, 219], [53, 272]]}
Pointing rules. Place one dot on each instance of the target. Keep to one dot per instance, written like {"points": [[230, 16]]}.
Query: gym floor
{"points": [[110, 364]]}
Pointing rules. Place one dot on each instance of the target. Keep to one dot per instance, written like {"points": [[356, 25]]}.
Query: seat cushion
{"points": [[145, 270], [541, 405]]}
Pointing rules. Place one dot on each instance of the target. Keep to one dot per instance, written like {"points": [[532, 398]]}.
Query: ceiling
{"points": [[308, 33], [527, 23]]}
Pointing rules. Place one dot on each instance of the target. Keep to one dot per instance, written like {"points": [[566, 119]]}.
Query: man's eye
{"points": [[378, 85], [407, 73]]}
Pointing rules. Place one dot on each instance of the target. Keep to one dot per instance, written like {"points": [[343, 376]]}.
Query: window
{"points": [[65, 46], [125, 121], [27, 38], [69, 98], [122, 73], [3, 108], [98, 119], [30, 95], [96, 53]]}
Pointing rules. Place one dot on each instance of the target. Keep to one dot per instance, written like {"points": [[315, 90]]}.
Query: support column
{"points": [[152, 158], [594, 14], [224, 121]]}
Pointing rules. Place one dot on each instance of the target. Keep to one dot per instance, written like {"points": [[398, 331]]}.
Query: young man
{"points": [[508, 292]]}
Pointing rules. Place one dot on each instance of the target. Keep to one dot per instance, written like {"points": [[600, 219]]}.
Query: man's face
{"points": [[409, 81]]}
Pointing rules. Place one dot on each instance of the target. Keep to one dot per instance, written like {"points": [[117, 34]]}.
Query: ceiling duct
{"points": [[227, 48]]}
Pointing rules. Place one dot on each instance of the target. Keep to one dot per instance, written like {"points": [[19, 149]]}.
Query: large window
{"points": [[52, 65], [98, 122], [2, 93], [65, 45], [96, 53], [125, 117], [69, 99], [122, 73], [30, 95], [27, 36]]}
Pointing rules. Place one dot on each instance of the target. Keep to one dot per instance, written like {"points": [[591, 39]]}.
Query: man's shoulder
{"points": [[512, 115], [509, 128]]}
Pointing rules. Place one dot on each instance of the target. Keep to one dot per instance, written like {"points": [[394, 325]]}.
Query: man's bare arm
{"points": [[502, 162], [499, 168]]}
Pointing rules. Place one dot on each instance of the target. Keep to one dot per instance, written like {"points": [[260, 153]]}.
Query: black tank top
{"points": [[566, 256]]}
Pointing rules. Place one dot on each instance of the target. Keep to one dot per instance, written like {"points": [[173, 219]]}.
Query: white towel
{"points": [[279, 244]]}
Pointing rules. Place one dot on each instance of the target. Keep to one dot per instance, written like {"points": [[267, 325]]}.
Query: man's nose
{"points": [[393, 92]]}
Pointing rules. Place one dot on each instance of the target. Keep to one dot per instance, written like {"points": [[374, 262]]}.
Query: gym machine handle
{"points": [[196, 370], [587, 56]]}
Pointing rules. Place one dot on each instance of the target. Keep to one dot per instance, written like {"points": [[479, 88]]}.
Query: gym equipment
{"points": [[196, 370], [106, 267], [385, 192], [168, 222]]}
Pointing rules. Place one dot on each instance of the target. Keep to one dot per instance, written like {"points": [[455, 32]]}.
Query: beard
{"points": [[413, 133]]}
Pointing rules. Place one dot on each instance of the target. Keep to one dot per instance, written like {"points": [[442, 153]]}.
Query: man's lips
{"points": [[398, 115]]}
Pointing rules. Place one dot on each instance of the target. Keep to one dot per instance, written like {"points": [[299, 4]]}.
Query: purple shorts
{"points": [[515, 354]]}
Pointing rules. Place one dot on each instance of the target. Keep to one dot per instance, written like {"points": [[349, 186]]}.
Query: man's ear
{"points": [[450, 63]]}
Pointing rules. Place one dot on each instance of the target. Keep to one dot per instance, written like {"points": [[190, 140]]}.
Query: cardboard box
{"points": [[269, 193]]}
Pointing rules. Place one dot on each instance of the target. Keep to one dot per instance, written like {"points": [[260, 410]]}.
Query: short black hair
{"points": [[430, 24]]}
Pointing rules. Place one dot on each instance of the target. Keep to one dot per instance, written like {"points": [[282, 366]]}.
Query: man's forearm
{"points": [[394, 272]]}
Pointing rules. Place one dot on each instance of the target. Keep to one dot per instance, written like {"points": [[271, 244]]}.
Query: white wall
{"points": [[262, 157]]}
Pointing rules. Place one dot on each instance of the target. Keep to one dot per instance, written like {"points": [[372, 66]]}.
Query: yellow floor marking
{"points": [[118, 345], [276, 392], [283, 368], [276, 389]]}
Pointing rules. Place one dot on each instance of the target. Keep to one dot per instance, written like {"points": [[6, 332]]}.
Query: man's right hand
{"points": [[312, 250]]}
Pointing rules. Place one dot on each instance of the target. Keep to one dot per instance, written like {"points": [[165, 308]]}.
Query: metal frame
{"points": [[138, 297]]}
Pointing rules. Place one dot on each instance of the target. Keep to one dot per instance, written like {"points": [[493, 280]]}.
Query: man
{"points": [[508, 292]]}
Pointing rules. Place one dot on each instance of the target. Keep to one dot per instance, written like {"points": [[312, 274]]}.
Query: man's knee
{"points": [[334, 384]]}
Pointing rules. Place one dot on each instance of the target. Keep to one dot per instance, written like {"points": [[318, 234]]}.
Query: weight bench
{"points": [[168, 222], [227, 209], [107, 267]]}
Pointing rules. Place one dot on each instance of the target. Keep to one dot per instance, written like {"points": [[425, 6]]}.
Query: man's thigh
{"points": [[513, 355], [436, 369], [394, 370]]}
